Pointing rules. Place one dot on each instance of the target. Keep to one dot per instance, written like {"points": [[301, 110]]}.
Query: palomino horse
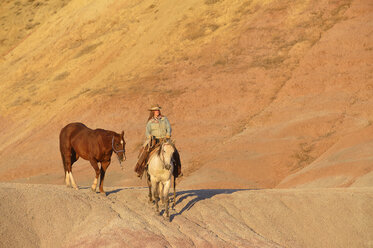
{"points": [[160, 170], [77, 140]]}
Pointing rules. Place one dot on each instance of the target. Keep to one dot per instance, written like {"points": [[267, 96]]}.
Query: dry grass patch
{"points": [[62, 76], [87, 50], [209, 2], [302, 156], [268, 62], [198, 29], [20, 101]]}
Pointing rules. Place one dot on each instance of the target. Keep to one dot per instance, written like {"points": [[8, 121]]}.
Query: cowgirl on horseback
{"points": [[158, 128]]}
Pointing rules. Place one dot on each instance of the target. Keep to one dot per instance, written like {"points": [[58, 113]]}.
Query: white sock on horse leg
{"points": [[94, 185], [72, 180], [67, 179]]}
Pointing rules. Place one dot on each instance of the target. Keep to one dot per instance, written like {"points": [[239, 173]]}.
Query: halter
{"points": [[116, 152], [112, 145]]}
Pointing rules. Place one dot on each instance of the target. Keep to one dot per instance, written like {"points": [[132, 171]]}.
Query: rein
{"points": [[161, 157], [116, 152]]}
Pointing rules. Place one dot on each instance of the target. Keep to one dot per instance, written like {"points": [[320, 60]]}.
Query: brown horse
{"points": [[77, 140]]}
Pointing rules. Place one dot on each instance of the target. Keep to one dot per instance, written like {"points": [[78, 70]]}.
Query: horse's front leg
{"points": [[104, 166], [166, 190], [160, 192], [154, 193], [149, 186], [97, 170]]}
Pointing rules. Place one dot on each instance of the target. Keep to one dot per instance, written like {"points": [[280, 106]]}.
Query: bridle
{"points": [[161, 157], [117, 151]]}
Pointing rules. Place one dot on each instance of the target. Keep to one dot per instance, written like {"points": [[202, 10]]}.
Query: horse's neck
{"points": [[106, 138], [154, 152]]}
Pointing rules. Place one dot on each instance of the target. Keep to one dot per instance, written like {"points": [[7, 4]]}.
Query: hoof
{"points": [[167, 218]]}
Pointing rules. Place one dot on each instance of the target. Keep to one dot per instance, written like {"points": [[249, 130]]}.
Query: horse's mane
{"points": [[107, 133], [165, 142]]}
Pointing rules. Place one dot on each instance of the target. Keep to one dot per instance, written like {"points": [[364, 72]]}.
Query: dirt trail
{"points": [[50, 215]]}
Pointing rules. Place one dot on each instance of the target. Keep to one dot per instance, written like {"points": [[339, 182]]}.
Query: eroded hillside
{"points": [[255, 90]]}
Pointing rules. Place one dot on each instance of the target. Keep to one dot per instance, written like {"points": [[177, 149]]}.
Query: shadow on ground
{"points": [[199, 195], [107, 193]]}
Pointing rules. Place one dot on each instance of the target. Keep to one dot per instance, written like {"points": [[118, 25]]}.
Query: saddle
{"points": [[147, 151]]}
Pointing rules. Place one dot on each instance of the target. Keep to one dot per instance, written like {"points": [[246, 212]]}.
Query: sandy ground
{"points": [[260, 94], [56, 216]]}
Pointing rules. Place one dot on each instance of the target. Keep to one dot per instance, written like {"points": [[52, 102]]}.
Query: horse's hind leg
{"points": [[174, 202], [66, 159], [67, 179], [71, 159], [65, 155], [73, 184]]}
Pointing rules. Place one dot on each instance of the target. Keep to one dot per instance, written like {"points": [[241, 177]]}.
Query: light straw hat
{"points": [[155, 107]]}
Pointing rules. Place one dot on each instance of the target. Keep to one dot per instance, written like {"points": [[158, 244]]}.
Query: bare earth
{"points": [[55, 216], [270, 101]]}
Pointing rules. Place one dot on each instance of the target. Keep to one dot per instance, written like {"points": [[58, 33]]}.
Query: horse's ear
{"points": [[122, 134]]}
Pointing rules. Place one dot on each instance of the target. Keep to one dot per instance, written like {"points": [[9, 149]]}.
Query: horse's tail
{"points": [[61, 148], [63, 158]]}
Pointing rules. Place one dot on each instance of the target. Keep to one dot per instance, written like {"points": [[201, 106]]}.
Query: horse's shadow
{"points": [[199, 195], [107, 193], [120, 189]]}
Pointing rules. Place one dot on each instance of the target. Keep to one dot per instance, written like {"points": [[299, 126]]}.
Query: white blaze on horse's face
{"points": [[167, 152], [119, 149], [124, 149]]}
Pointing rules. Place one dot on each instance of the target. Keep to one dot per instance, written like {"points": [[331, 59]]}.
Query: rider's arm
{"points": [[168, 127], [148, 130]]}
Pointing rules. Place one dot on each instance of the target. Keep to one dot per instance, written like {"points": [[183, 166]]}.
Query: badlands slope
{"points": [[270, 103], [256, 91]]}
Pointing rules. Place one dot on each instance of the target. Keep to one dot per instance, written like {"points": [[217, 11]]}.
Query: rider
{"points": [[157, 128]]}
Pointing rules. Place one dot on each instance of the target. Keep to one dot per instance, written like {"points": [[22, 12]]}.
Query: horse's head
{"points": [[119, 146], [166, 152]]}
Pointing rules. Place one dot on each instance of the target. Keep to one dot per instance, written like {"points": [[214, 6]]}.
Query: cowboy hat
{"points": [[155, 107]]}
